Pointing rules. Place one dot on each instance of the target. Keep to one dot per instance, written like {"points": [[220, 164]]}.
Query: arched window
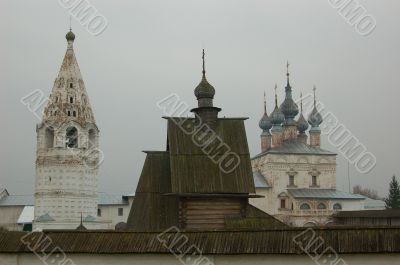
{"points": [[337, 206], [305, 206], [71, 85], [74, 113], [92, 138], [322, 206], [71, 99], [69, 113], [72, 137], [49, 137]]}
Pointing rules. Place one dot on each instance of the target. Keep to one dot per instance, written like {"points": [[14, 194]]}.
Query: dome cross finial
{"points": [[301, 102], [276, 96], [315, 100], [265, 103], [204, 64], [287, 71]]}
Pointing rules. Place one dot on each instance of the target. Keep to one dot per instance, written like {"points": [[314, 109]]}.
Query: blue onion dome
{"points": [[277, 117], [315, 118], [204, 89], [289, 107], [70, 36], [302, 124], [265, 122]]}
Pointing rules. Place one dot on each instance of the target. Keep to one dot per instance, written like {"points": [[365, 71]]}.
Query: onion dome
{"points": [[70, 36], [289, 107], [265, 122], [204, 89], [302, 124], [277, 117], [315, 118]]}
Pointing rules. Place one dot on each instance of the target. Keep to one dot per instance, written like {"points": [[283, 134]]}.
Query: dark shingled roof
{"points": [[192, 170], [185, 170], [282, 241], [296, 148]]}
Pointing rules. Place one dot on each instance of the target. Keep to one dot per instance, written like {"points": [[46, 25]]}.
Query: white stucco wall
{"points": [[9, 216], [109, 213]]}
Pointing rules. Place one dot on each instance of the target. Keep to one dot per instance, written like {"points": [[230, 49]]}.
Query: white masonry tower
{"points": [[67, 157]]}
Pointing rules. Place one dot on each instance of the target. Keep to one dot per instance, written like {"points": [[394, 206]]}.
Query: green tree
{"points": [[393, 200]]}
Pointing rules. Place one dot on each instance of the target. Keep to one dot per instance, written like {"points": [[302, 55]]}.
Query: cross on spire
{"points": [[265, 103], [301, 102], [315, 101], [276, 96], [204, 65], [287, 72], [70, 23]]}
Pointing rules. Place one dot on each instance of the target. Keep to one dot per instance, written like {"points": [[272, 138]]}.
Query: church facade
{"points": [[67, 156], [296, 176]]}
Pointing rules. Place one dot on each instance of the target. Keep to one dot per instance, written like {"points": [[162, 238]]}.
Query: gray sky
{"points": [[151, 49]]}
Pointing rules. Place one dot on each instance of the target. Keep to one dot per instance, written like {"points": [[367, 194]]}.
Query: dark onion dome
{"points": [[204, 89], [302, 124], [315, 118], [265, 122], [70, 36], [277, 117], [289, 107]]}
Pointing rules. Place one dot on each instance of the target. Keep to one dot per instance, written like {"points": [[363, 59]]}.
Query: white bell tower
{"points": [[68, 155]]}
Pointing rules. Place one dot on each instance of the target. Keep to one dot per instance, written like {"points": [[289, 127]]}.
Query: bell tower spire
{"points": [[67, 156]]}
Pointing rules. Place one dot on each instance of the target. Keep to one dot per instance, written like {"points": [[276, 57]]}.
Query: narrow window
{"points": [[291, 180], [314, 181], [74, 113], [92, 138], [72, 137], [99, 212], [120, 212], [71, 100], [49, 137], [71, 85], [69, 113], [283, 203]]}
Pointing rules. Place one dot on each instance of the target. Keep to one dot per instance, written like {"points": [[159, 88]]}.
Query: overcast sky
{"points": [[151, 49]]}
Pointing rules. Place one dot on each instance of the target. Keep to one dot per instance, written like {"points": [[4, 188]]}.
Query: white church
{"points": [[296, 176]]}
